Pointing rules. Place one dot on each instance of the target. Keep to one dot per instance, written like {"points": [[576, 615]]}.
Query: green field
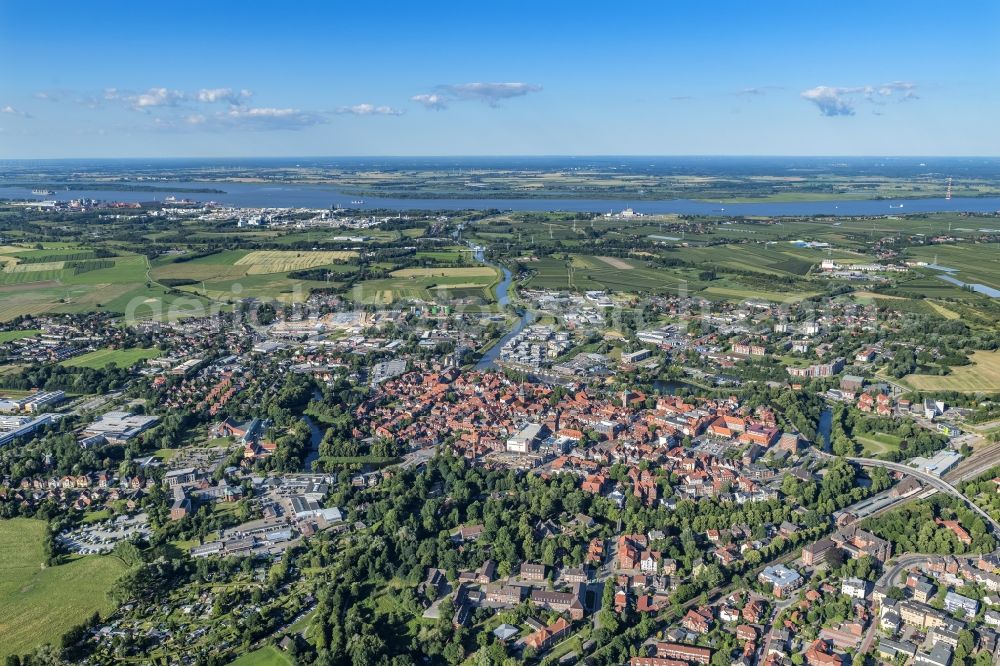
{"points": [[265, 656], [878, 443], [123, 358], [116, 284], [585, 272], [761, 258], [429, 284], [982, 375], [975, 262], [235, 274], [38, 605], [8, 336]]}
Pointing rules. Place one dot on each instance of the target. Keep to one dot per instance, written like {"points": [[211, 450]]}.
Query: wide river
{"points": [[318, 196]]}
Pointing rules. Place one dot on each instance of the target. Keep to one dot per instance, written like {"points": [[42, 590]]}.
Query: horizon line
{"points": [[500, 155]]}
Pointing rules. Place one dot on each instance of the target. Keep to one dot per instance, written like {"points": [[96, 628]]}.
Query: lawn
{"points": [[878, 443], [265, 656], [123, 358], [982, 375], [37, 604]]}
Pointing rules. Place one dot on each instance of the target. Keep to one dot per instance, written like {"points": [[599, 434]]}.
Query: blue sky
{"points": [[174, 79]]}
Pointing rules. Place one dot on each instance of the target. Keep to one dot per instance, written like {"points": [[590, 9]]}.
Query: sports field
{"points": [[123, 358], [38, 604], [982, 375]]}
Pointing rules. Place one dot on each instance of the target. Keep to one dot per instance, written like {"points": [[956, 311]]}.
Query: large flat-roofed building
{"points": [[14, 429], [39, 401], [525, 439], [119, 427]]}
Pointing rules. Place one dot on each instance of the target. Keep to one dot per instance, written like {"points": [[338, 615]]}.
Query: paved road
{"points": [[929, 479]]}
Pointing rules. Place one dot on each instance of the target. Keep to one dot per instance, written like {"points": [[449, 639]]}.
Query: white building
{"points": [[525, 439], [854, 587]]}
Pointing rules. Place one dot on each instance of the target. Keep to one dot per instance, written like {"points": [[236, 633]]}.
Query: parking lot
{"points": [[102, 537]]}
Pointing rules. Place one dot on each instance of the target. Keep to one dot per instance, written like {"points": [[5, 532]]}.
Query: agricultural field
{"points": [[585, 272], [123, 358], [261, 262], [739, 293], [38, 604], [235, 274], [470, 272], [72, 280], [982, 375], [429, 284], [974, 262], [635, 275], [778, 258]]}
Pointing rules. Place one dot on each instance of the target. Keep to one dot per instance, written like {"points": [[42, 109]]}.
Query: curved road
{"points": [[905, 561], [930, 479]]}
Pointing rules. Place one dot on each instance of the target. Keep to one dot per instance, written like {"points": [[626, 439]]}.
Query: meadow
{"points": [[429, 284], [38, 604], [975, 262], [100, 358], [875, 444], [585, 272], [61, 279], [10, 336], [982, 375], [265, 656]]}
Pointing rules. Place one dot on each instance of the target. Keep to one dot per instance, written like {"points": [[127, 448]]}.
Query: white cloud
{"points": [[830, 101], [252, 119], [431, 101], [166, 97], [213, 95], [489, 93], [841, 101], [10, 110], [154, 97], [370, 110]]}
